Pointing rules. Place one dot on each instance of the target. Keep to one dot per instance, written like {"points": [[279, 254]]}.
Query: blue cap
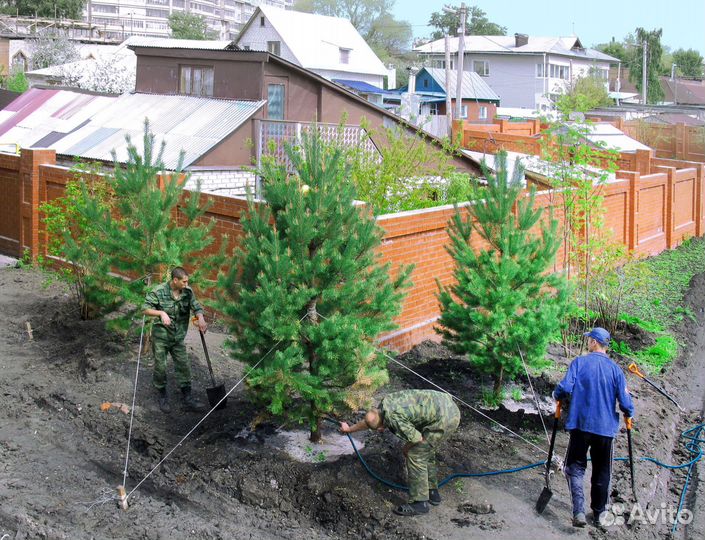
{"points": [[600, 335]]}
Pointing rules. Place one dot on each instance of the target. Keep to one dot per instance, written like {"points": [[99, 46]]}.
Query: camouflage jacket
{"points": [[415, 414], [160, 298]]}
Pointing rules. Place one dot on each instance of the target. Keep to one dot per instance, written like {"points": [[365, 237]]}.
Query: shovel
{"points": [[633, 368], [628, 422], [546, 494], [215, 393]]}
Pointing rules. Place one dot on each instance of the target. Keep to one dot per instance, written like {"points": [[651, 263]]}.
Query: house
{"points": [[113, 69], [294, 97], [524, 71], [224, 108], [479, 102], [328, 46]]}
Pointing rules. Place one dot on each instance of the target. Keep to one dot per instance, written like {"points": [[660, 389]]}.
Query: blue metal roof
{"points": [[362, 86]]}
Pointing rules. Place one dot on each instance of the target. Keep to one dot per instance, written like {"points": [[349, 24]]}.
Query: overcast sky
{"points": [[593, 21]]}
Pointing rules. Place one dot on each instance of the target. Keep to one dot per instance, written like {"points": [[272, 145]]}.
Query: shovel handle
{"points": [[633, 368], [558, 410], [629, 422]]}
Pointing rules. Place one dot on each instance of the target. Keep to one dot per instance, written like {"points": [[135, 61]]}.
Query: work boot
{"points": [[163, 401], [190, 402], [597, 520], [434, 497], [412, 509], [579, 520]]}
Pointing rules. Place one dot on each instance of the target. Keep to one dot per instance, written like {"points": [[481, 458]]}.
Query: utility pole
{"points": [[449, 103], [644, 78], [459, 67], [675, 83]]}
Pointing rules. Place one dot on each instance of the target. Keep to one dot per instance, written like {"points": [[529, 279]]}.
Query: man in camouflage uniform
{"points": [[422, 418], [173, 303]]}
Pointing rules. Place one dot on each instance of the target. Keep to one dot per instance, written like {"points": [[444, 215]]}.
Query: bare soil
{"points": [[61, 457]]}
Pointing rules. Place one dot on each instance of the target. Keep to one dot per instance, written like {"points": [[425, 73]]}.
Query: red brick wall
{"points": [[10, 205], [648, 213]]}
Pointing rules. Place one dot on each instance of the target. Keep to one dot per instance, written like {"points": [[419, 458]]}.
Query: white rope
{"points": [[536, 399], [132, 409], [207, 415]]}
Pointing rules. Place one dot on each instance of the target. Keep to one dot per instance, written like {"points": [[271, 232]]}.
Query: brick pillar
{"points": [[699, 188], [632, 205], [669, 214], [679, 142], [30, 160]]}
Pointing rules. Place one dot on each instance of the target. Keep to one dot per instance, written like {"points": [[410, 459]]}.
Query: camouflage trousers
{"points": [[163, 344], [421, 467]]}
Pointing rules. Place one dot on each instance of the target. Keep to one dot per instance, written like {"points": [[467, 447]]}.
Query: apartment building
{"points": [[119, 19]]}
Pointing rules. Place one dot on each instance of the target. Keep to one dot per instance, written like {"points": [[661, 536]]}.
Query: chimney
{"points": [[412, 79], [521, 40]]}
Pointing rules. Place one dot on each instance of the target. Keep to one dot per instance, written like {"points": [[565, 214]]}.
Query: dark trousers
{"points": [[576, 461]]}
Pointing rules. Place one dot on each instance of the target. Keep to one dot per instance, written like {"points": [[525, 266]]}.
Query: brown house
{"points": [[293, 95]]}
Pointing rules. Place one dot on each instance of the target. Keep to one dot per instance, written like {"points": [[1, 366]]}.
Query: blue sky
{"points": [[593, 21]]}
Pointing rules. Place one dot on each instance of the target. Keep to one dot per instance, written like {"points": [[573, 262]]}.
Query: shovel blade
{"points": [[215, 394], [542, 503]]}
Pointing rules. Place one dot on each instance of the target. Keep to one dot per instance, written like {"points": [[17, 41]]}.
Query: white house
{"points": [[328, 46], [525, 71]]}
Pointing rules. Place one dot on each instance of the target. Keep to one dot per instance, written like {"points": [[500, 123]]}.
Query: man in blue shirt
{"points": [[595, 384]]}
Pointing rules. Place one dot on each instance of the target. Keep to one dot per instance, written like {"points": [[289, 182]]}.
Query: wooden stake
{"points": [[29, 330], [123, 497]]}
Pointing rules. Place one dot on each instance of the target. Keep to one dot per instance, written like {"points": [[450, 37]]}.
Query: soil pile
{"points": [[61, 457]]}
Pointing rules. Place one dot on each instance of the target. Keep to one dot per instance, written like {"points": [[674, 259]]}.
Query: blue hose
{"points": [[693, 437]]}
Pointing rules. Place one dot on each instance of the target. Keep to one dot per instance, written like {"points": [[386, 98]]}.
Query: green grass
{"points": [[665, 280], [490, 399]]}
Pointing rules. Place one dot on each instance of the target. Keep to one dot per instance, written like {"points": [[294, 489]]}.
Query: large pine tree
{"points": [[307, 283], [504, 300]]}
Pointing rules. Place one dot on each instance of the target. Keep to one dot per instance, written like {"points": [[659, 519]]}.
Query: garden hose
{"points": [[694, 439]]}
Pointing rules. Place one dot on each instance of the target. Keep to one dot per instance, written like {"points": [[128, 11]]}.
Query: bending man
{"points": [[173, 302], [422, 418], [595, 384]]}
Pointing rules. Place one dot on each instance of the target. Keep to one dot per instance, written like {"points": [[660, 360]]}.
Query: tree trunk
{"points": [[315, 436], [498, 382]]}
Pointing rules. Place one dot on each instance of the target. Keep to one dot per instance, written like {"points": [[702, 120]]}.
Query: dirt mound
{"points": [[61, 457]]}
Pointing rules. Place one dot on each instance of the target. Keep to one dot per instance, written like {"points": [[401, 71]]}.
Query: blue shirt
{"points": [[595, 383]]}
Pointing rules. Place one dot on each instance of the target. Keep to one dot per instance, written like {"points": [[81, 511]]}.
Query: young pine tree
{"points": [[306, 294], [150, 227], [504, 301]]}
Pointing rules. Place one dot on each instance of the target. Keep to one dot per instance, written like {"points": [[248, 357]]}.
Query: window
{"points": [[425, 83], [481, 67], [541, 70], [344, 55], [177, 3], [245, 47], [434, 109], [196, 80], [463, 111], [274, 47], [160, 13], [100, 8], [559, 72], [442, 64], [19, 62], [261, 21], [483, 113], [275, 101]]}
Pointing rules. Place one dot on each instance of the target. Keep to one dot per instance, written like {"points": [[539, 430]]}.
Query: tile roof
{"points": [[91, 126]]}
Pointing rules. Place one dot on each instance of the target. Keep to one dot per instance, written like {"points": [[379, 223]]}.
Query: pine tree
{"points": [[150, 227], [307, 285], [504, 303]]}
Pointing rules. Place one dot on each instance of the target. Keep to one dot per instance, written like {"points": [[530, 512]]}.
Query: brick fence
{"points": [[650, 208]]}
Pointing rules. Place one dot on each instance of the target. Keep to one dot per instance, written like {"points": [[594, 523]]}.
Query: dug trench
{"points": [[61, 457]]}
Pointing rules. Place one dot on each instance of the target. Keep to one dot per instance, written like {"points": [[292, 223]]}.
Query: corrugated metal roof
{"points": [[172, 43], [473, 87], [92, 126]]}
